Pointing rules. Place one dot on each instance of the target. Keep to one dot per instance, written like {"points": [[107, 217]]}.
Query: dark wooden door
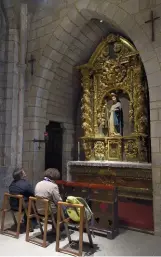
{"points": [[54, 146]]}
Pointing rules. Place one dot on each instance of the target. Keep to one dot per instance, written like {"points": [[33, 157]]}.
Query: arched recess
{"points": [[64, 34]]}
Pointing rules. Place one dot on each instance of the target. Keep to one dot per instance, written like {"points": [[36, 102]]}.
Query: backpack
{"points": [[74, 213]]}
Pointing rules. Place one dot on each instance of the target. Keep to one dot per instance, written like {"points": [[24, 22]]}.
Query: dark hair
{"points": [[52, 174], [17, 173]]}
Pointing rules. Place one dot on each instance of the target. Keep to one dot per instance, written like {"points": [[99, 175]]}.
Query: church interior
{"points": [[80, 91]]}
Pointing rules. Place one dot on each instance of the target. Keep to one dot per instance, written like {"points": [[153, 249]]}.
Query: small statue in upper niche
{"points": [[114, 117]]}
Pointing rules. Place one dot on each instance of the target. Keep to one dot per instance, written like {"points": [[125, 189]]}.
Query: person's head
{"points": [[114, 97], [18, 174], [52, 174]]}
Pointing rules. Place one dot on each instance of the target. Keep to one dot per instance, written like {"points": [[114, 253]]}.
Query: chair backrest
{"points": [[41, 204], [13, 202]]}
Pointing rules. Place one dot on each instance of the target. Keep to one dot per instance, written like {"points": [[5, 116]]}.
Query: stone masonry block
{"points": [[152, 66], [155, 105], [119, 16], [139, 37], [63, 48], [155, 93], [42, 93], [56, 56], [36, 24], [47, 51], [158, 53], [157, 42], [156, 175], [155, 142], [46, 20], [93, 5], [66, 67], [108, 9], [67, 24], [55, 43], [130, 6], [40, 32], [128, 23], [159, 114], [156, 129], [39, 82], [76, 18], [45, 62], [82, 4], [156, 159], [154, 79], [154, 114], [147, 53]]}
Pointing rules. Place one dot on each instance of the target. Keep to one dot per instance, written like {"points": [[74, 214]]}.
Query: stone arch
{"points": [[79, 15]]}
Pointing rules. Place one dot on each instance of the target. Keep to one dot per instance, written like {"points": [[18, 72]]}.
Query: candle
{"points": [[78, 150]]}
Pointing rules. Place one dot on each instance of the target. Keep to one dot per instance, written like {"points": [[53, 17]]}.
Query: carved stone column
{"points": [[22, 66]]}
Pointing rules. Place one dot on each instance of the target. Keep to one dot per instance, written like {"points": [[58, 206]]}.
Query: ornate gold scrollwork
{"points": [[99, 150], [131, 150]]}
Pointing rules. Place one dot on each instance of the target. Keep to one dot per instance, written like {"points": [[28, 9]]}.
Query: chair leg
{"points": [[37, 218], [28, 221], [66, 227], [89, 234], [3, 213], [19, 217], [81, 231], [58, 228], [2, 221], [14, 218], [45, 226]]}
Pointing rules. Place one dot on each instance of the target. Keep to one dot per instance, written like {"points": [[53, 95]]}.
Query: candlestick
{"points": [[78, 150]]}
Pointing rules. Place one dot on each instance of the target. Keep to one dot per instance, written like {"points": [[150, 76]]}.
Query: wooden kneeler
{"points": [[6, 208], [83, 223]]}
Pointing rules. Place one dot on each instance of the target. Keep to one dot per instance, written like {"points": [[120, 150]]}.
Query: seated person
{"points": [[20, 186], [47, 188]]}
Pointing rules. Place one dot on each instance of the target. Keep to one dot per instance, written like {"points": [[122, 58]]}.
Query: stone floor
{"points": [[127, 243]]}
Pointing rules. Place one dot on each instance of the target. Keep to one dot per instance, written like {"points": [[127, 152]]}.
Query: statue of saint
{"points": [[114, 117]]}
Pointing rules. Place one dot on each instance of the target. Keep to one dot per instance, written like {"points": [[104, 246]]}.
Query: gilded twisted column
{"points": [[86, 103], [95, 79]]}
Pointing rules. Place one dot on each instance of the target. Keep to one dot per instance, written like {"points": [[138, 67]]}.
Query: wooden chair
{"points": [[40, 209], [83, 223], [7, 208]]}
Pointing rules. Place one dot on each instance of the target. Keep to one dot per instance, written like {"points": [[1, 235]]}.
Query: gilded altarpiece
{"points": [[115, 73], [115, 121]]}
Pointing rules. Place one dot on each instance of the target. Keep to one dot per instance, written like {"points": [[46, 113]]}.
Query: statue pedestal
{"points": [[133, 179]]}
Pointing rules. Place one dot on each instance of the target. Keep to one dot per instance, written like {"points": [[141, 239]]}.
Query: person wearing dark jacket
{"points": [[20, 186]]}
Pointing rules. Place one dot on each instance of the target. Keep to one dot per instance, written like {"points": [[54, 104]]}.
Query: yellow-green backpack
{"points": [[74, 212]]}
